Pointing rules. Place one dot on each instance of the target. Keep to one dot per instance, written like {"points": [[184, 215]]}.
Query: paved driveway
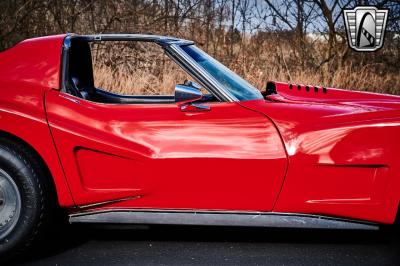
{"points": [[171, 245]]}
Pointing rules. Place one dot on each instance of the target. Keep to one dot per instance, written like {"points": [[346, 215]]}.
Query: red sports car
{"points": [[291, 156]]}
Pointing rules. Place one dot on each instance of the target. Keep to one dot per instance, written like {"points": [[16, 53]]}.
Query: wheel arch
{"points": [[60, 189], [37, 157]]}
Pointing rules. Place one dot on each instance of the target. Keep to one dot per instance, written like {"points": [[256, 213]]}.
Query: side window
{"points": [[134, 68]]}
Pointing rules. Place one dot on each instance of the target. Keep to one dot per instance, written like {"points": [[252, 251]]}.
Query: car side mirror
{"points": [[185, 96]]}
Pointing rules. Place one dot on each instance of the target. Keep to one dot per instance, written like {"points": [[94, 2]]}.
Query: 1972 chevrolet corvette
{"points": [[291, 156]]}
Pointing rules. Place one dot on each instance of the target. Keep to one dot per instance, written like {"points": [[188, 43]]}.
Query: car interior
{"points": [[79, 81]]}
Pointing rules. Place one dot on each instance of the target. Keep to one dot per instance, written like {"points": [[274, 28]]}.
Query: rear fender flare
{"points": [[35, 134]]}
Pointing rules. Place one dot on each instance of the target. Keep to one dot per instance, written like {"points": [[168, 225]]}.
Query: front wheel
{"points": [[24, 200]]}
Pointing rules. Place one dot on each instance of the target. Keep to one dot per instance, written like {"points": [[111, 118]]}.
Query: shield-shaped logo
{"points": [[365, 26]]}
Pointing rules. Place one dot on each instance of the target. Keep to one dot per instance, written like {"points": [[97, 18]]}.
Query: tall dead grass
{"points": [[138, 82], [346, 77], [145, 69]]}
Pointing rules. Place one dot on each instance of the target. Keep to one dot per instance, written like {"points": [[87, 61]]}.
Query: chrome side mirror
{"points": [[185, 96]]}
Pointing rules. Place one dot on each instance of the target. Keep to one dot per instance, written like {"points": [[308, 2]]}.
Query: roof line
{"points": [[132, 37]]}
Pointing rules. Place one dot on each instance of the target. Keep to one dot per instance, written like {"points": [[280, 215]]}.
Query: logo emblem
{"points": [[365, 26]]}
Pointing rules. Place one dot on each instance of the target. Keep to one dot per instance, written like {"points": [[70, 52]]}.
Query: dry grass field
{"points": [[144, 69]]}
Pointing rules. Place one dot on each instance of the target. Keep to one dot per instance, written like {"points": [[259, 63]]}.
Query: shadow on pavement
{"points": [[172, 245]]}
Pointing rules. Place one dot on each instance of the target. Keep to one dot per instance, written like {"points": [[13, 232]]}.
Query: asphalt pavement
{"points": [[180, 245]]}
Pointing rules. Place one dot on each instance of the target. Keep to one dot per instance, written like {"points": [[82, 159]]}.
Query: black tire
{"points": [[20, 164]]}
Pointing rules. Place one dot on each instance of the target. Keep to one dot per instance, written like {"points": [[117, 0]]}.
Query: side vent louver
{"points": [[309, 88]]}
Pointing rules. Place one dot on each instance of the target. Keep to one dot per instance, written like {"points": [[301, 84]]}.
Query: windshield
{"points": [[237, 86]]}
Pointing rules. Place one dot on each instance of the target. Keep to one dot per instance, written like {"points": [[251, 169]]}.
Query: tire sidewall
{"points": [[22, 173]]}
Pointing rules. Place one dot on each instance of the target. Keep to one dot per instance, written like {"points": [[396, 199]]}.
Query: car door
{"points": [[157, 156]]}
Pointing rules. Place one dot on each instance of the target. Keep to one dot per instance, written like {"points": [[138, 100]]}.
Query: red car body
{"points": [[302, 150]]}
